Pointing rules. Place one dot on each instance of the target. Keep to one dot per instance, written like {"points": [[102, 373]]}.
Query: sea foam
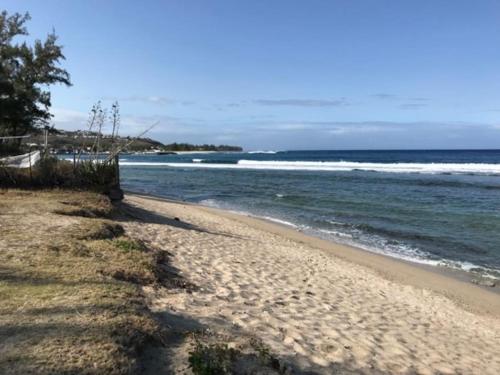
{"points": [[335, 166], [262, 152]]}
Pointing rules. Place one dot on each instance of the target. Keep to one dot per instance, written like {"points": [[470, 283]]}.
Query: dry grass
{"points": [[70, 286]]}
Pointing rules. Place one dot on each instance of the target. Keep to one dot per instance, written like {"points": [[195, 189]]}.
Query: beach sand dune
{"points": [[320, 313]]}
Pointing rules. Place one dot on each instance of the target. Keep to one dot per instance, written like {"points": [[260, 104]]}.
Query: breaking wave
{"points": [[334, 166]]}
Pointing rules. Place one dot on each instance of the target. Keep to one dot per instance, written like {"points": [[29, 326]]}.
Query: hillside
{"points": [[62, 141]]}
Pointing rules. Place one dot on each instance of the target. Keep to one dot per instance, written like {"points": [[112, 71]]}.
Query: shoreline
{"points": [[453, 284]]}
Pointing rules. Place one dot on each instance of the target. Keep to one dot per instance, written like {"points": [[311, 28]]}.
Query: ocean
{"points": [[436, 207]]}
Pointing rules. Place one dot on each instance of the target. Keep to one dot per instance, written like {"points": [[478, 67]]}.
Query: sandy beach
{"points": [[249, 188], [321, 307]]}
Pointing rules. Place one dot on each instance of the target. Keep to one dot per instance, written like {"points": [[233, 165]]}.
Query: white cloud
{"points": [[150, 99], [268, 133], [340, 130], [69, 119], [410, 106], [303, 102], [330, 127], [289, 126]]}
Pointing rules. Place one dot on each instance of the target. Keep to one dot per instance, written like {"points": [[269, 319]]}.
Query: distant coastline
{"points": [[69, 142]]}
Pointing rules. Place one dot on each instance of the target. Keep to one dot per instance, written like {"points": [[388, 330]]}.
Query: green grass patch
{"points": [[212, 359], [128, 245]]}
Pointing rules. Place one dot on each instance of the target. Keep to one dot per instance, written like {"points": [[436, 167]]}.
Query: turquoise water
{"points": [[433, 207]]}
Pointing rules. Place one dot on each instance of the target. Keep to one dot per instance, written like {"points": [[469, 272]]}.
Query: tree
{"points": [[26, 72]]}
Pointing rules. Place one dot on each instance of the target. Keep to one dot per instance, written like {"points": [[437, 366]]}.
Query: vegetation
{"points": [[72, 141], [71, 297], [63, 141], [89, 173], [51, 172], [127, 245], [205, 147], [71, 277], [25, 73], [222, 354], [212, 359]]}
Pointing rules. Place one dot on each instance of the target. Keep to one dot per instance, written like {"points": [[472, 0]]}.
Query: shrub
{"points": [[211, 359], [52, 172]]}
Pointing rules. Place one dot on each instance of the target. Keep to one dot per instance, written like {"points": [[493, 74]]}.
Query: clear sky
{"points": [[338, 74]]}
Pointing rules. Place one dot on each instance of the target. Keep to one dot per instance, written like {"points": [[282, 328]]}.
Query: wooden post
{"points": [[117, 170], [74, 167], [115, 192], [46, 134], [31, 173]]}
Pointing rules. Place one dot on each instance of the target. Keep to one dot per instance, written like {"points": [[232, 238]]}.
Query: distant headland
{"points": [[68, 142]]}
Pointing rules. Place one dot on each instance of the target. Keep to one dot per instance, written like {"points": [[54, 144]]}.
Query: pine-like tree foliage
{"points": [[26, 72]]}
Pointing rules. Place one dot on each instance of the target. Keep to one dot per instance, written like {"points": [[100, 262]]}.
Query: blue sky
{"points": [[290, 74]]}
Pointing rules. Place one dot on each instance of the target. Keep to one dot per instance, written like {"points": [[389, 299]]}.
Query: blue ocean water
{"points": [[433, 207]]}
